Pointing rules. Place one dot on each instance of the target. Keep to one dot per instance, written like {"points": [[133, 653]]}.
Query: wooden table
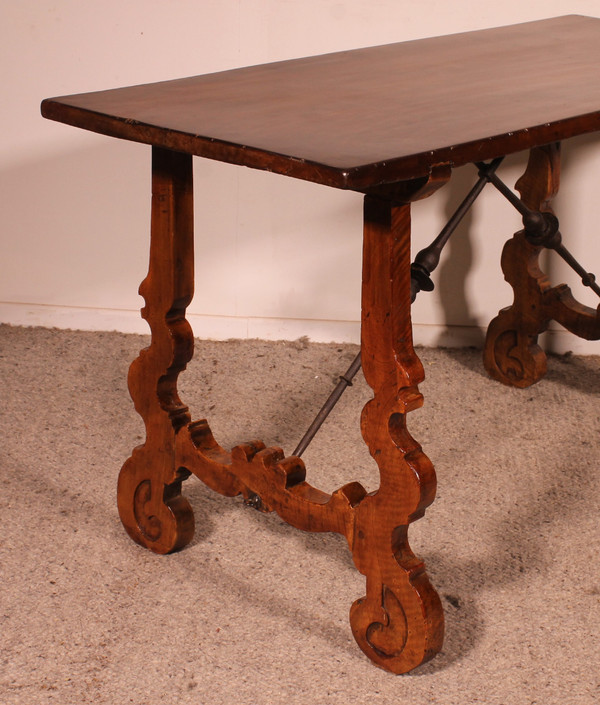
{"points": [[390, 122]]}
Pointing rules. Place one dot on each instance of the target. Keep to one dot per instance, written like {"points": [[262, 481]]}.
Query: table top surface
{"points": [[368, 117]]}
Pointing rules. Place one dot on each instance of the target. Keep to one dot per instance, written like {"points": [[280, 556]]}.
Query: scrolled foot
{"points": [[513, 358], [400, 628], [380, 629], [154, 514]]}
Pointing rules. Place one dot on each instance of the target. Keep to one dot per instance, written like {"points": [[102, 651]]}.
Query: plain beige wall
{"points": [[275, 257]]}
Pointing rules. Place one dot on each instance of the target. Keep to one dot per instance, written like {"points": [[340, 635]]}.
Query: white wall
{"points": [[276, 258]]}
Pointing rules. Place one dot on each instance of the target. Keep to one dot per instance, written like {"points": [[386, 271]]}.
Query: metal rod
{"points": [[425, 262], [540, 228], [503, 188], [428, 259], [345, 381], [468, 201], [587, 278]]}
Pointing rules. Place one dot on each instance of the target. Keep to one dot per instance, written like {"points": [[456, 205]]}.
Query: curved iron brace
{"points": [[541, 229], [425, 262]]}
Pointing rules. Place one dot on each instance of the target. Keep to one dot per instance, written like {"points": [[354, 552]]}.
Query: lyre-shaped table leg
{"points": [[150, 503], [400, 622], [512, 354]]}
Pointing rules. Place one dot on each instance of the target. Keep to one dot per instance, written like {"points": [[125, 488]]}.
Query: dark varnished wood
{"points": [[149, 491], [512, 354], [391, 122], [399, 622], [365, 118]]}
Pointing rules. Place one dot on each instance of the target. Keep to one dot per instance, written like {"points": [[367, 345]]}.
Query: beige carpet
{"points": [[253, 611]]}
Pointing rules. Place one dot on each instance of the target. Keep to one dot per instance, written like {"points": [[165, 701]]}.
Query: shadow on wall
{"points": [[458, 260], [576, 206]]}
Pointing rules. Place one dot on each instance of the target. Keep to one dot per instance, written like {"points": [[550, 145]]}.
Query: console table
{"points": [[390, 122]]}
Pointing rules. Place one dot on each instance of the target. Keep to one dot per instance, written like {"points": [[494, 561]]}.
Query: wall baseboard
{"points": [[224, 327]]}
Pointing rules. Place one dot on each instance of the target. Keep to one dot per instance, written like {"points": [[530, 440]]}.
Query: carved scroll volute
{"points": [[541, 180], [399, 623], [512, 354], [149, 492]]}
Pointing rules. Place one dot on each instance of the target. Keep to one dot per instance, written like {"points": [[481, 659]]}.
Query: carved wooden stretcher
{"points": [[390, 122]]}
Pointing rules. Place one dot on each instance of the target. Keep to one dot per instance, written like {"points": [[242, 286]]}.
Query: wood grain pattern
{"points": [[512, 354], [369, 117], [399, 623], [391, 122], [149, 491]]}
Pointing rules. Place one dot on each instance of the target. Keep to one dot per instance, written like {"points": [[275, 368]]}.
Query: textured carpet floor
{"points": [[253, 611]]}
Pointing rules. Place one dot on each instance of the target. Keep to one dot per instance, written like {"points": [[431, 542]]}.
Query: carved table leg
{"points": [[512, 354], [149, 490], [400, 622]]}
